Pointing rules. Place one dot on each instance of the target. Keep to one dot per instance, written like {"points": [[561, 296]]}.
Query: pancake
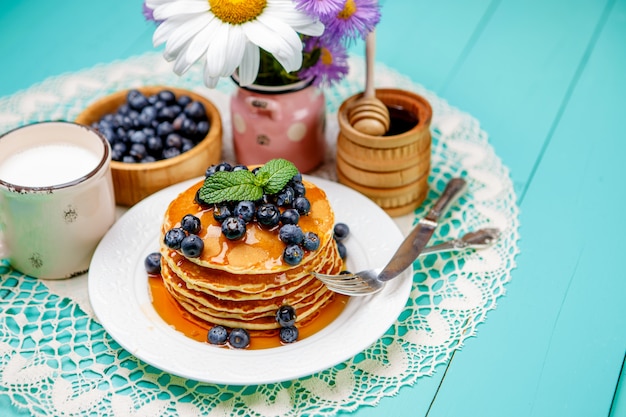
{"points": [[242, 283], [260, 251]]}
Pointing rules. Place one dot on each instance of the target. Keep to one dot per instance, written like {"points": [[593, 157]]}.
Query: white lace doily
{"points": [[56, 359]]}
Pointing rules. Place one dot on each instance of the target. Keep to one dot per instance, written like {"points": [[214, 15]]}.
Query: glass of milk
{"points": [[56, 197]]}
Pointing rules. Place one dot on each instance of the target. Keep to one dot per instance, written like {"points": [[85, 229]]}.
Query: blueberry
{"points": [[311, 241], [189, 128], [341, 231], [298, 188], [148, 131], [202, 130], [221, 213], [210, 171], [224, 166], [195, 110], [138, 151], [138, 137], [297, 177], [290, 216], [184, 100], [187, 145], [169, 153], [164, 129], [288, 334], [286, 316], [239, 168], [166, 96], [174, 140], [128, 159], [233, 228], [147, 115], [190, 223], [116, 155], [217, 335], [123, 109], [154, 144], [268, 215], [245, 210], [293, 254], [343, 252], [152, 263], [285, 197], [158, 105], [291, 234], [302, 205], [120, 147], [191, 246], [166, 114], [148, 158], [199, 201], [108, 133], [177, 123], [239, 338], [136, 100], [174, 237], [122, 134]]}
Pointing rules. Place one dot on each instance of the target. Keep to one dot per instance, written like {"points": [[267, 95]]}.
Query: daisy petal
{"points": [[284, 52], [200, 43], [217, 51], [182, 7], [182, 65], [249, 67], [209, 81], [153, 4], [165, 30], [236, 48], [182, 35], [299, 21]]}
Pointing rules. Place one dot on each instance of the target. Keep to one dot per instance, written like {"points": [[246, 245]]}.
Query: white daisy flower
{"points": [[227, 35]]}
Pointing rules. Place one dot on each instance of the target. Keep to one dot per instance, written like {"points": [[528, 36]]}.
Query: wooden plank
{"points": [[425, 39], [515, 76], [47, 38], [555, 344]]}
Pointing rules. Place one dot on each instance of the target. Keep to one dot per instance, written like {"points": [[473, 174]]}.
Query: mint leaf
{"points": [[230, 186], [280, 172], [244, 185]]}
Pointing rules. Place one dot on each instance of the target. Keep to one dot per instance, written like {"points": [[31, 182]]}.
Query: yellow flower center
{"points": [[237, 12], [348, 10], [326, 57]]}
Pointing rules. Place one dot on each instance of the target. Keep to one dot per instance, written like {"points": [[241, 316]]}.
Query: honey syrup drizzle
{"points": [[182, 321]]}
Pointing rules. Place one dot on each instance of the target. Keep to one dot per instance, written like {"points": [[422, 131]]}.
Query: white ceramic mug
{"points": [[56, 197]]}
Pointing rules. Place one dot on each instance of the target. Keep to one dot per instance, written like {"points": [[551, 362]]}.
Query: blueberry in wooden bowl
{"points": [[159, 136]]}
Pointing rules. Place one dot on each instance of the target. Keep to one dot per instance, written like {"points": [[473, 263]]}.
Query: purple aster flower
{"points": [[147, 13], [356, 19], [319, 8], [332, 64]]}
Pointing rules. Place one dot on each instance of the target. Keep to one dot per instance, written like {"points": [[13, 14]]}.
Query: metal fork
{"points": [[367, 282]]}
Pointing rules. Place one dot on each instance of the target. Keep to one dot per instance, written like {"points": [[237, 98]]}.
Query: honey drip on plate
{"points": [[180, 320]]}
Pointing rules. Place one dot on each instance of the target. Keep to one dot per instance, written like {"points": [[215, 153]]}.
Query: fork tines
{"points": [[344, 284]]}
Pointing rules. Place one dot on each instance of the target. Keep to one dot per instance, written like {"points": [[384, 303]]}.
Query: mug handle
{"points": [[264, 107]]}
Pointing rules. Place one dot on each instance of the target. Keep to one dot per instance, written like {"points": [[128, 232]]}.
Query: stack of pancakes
{"points": [[243, 283]]}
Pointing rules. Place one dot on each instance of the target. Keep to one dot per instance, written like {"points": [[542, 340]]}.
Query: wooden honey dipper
{"points": [[369, 115]]}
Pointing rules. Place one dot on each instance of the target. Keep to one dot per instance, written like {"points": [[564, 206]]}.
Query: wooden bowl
{"points": [[133, 182]]}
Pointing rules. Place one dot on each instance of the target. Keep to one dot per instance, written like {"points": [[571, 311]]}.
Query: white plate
{"points": [[119, 294]]}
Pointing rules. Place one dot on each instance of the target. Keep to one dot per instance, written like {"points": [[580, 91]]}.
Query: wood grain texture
{"points": [[546, 81]]}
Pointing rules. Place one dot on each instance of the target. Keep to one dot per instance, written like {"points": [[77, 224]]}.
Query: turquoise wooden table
{"points": [[547, 81]]}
